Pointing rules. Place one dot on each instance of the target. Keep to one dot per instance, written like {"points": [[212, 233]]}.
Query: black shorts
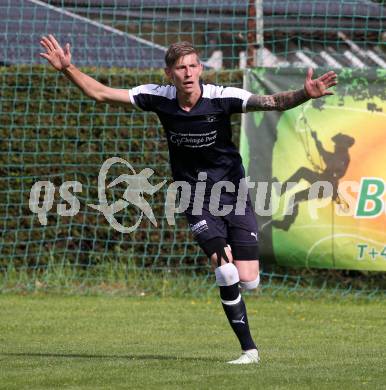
{"points": [[239, 231]]}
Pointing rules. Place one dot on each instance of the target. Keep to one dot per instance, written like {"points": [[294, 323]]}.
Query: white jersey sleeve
{"points": [[148, 96], [233, 100]]}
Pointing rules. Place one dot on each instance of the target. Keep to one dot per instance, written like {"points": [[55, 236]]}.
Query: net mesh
{"points": [[50, 132]]}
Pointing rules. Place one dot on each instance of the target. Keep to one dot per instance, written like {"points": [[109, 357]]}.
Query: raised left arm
{"points": [[278, 102], [285, 100]]}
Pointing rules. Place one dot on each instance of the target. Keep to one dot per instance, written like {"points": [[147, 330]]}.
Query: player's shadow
{"points": [[96, 356]]}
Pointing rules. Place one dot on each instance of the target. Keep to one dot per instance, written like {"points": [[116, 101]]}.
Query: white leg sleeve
{"points": [[227, 275], [250, 285]]}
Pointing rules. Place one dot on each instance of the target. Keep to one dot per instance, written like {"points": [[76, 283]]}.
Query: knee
{"points": [[227, 275], [251, 283]]}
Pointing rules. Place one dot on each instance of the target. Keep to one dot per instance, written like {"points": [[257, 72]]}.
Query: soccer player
{"points": [[196, 120]]}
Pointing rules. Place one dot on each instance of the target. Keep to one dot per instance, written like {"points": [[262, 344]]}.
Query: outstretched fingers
{"points": [[44, 43], [54, 41], [67, 49], [310, 72], [331, 83], [47, 43], [329, 76], [44, 55], [323, 88], [319, 86], [329, 79]]}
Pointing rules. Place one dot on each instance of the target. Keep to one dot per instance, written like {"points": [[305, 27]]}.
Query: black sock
{"points": [[237, 315]]}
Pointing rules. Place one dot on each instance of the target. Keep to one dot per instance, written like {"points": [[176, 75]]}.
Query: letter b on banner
{"points": [[370, 202]]}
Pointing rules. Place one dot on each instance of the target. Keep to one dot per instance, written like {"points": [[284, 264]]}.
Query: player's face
{"points": [[185, 73]]}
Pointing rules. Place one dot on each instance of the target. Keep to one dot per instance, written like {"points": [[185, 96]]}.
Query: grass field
{"points": [[105, 342]]}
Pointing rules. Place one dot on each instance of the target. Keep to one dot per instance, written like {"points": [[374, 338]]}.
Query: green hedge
{"points": [[50, 131]]}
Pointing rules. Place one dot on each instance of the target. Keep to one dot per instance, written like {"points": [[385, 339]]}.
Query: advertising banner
{"points": [[320, 171]]}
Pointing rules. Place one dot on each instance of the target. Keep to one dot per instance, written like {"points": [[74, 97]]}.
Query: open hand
{"points": [[319, 87], [60, 59]]}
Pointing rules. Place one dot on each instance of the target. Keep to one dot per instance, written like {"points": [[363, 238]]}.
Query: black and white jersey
{"points": [[199, 140]]}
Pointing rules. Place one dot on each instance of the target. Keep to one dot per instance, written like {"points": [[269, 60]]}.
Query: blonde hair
{"points": [[177, 50]]}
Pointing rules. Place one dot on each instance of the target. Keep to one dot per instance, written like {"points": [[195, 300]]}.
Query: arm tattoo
{"points": [[279, 101]]}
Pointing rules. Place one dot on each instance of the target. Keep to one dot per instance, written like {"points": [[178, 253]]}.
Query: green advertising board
{"points": [[320, 171]]}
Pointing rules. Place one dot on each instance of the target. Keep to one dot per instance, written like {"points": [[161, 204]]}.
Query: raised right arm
{"points": [[61, 60], [94, 89]]}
